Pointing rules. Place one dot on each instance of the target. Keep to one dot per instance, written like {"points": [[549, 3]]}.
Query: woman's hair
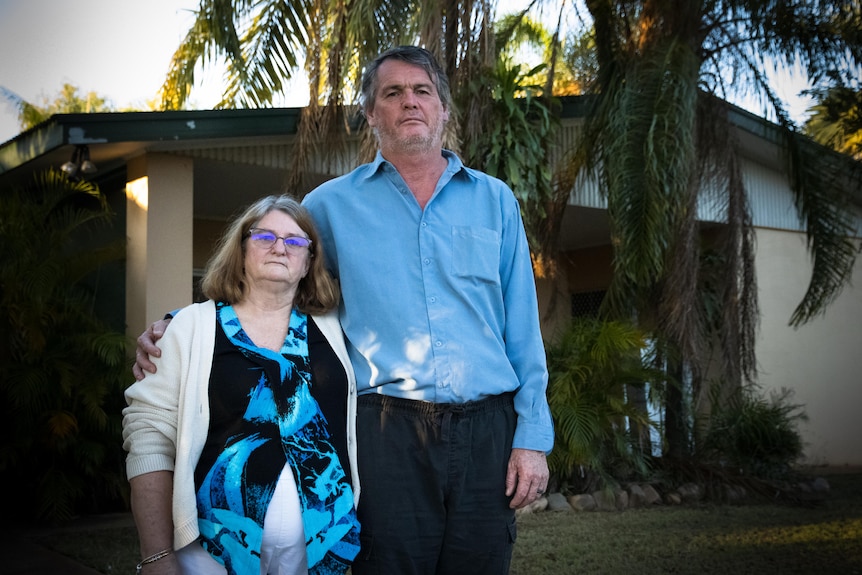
{"points": [[411, 55], [224, 279]]}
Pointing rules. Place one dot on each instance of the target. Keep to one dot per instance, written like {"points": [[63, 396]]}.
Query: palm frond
{"points": [[822, 200]]}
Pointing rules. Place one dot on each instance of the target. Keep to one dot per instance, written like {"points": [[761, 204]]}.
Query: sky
{"points": [[121, 49]]}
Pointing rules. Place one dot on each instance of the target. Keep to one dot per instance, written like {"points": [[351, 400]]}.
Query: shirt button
{"points": [[424, 225], [438, 343], [426, 261]]}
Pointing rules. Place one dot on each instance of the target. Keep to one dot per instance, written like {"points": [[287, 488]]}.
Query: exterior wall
{"points": [[159, 212], [822, 360]]}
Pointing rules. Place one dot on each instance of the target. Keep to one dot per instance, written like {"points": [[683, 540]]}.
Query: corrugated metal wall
{"points": [[770, 198], [277, 156]]}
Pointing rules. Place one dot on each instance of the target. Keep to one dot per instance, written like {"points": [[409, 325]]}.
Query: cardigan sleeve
{"points": [[152, 416]]}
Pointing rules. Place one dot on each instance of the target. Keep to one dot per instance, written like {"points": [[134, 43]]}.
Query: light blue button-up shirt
{"points": [[438, 304]]}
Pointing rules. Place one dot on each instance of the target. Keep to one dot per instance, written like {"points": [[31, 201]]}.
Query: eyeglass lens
{"points": [[267, 239]]}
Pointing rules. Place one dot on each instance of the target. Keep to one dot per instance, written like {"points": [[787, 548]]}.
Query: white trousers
{"points": [[283, 549]]}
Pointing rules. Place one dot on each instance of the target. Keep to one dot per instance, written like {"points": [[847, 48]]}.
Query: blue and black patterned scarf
{"points": [[232, 506]]}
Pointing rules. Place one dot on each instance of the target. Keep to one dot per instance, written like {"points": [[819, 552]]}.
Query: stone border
{"points": [[645, 495]]}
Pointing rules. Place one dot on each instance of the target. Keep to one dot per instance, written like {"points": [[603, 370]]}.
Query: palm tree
{"points": [[265, 44], [663, 138]]}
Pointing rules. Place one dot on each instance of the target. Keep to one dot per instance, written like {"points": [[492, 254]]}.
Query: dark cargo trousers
{"points": [[433, 480]]}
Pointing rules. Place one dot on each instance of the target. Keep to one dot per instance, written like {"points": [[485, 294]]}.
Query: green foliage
{"points": [[517, 124], [518, 36], [590, 367], [68, 101], [836, 120], [260, 44], [63, 369], [755, 435]]}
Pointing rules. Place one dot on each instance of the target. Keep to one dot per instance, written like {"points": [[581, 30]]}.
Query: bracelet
{"points": [[152, 559]]}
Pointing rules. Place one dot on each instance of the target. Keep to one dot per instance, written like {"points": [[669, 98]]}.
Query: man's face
{"points": [[407, 115]]}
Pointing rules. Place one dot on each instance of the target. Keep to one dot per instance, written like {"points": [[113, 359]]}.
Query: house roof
{"points": [[131, 133], [128, 134]]}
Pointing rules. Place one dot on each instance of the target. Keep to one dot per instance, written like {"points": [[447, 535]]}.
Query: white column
{"points": [[159, 217]]}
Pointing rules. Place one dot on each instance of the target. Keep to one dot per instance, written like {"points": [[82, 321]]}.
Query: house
{"points": [[174, 179]]}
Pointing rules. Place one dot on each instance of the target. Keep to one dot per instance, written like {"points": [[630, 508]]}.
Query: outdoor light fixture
{"points": [[80, 162]]}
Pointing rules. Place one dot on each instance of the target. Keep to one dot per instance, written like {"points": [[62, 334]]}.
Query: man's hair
{"points": [[411, 55], [224, 279]]}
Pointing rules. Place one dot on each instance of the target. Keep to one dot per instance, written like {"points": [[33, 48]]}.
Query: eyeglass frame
{"points": [[283, 239]]}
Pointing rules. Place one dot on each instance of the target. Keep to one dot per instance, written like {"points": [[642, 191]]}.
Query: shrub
{"points": [[755, 435], [62, 367], [590, 367]]}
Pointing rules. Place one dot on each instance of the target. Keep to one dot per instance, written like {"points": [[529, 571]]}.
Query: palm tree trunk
{"points": [[676, 436]]}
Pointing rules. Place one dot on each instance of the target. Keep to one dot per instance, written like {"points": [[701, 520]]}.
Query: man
{"points": [[440, 314]]}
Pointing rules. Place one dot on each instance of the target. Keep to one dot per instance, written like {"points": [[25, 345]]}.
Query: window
{"points": [[586, 304]]}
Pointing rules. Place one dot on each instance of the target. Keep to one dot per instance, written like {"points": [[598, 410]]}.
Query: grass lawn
{"points": [[737, 540]]}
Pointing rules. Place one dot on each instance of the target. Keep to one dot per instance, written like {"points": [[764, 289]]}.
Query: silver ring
{"points": [[539, 492]]}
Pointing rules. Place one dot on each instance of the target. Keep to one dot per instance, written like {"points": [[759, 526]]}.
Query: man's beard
{"points": [[429, 141]]}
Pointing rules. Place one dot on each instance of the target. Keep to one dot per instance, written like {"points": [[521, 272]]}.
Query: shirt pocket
{"points": [[476, 253]]}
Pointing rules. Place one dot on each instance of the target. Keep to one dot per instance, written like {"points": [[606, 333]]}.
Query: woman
{"points": [[241, 454]]}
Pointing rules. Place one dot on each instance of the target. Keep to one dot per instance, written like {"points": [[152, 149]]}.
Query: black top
{"points": [[328, 388]]}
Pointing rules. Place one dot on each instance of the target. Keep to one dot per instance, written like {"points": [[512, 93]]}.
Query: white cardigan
{"points": [[166, 422]]}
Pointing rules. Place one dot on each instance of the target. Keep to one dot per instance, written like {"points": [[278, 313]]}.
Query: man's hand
{"points": [[527, 477], [147, 347]]}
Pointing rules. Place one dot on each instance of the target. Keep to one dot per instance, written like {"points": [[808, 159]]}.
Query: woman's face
{"points": [[281, 264]]}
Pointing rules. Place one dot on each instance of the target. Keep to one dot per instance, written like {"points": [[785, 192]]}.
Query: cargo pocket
{"points": [[512, 536]]}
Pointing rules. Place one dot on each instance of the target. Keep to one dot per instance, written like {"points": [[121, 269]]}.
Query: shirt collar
{"points": [[454, 163]]}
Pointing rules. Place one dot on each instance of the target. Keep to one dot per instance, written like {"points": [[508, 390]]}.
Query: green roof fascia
{"points": [[172, 126], [30, 145], [581, 106]]}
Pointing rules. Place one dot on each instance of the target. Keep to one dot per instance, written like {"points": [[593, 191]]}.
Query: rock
{"points": [[733, 493], [637, 497], [820, 485], [557, 502], [582, 502], [621, 500], [536, 506], [605, 501], [673, 498], [651, 496], [690, 492]]}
